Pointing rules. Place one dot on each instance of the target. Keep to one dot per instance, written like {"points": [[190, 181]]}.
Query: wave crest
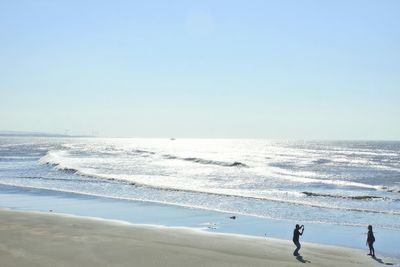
{"points": [[209, 162], [366, 197]]}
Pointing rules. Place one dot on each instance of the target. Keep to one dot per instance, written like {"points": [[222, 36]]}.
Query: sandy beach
{"points": [[41, 239]]}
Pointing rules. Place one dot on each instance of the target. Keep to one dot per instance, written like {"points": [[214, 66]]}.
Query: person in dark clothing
{"points": [[296, 235], [370, 241]]}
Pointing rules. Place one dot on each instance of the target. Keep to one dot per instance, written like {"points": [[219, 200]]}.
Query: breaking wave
{"points": [[209, 162], [363, 197]]}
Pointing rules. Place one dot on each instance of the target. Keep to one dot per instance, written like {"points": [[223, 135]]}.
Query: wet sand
{"points": [[47, 239]]}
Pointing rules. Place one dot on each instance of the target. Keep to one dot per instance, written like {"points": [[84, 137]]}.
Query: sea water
{"points": [[337, 183]]}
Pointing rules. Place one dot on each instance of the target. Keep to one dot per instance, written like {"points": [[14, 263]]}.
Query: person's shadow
{"points": [[382, 262], [300, 259]]}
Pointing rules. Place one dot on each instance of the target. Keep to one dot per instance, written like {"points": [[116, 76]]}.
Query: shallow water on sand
{"points": [[174, 216]]}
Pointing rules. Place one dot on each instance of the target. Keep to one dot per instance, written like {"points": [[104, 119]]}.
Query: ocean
{"points": [[338, 183]]}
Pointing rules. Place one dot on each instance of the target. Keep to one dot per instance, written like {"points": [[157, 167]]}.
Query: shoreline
{"points": [[67, 240], [147, 213]]}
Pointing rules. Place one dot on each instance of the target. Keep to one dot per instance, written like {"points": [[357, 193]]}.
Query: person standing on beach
{"points": [[296, 237], [370, 241]]}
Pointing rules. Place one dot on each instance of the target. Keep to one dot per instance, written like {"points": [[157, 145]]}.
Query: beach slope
{"points": [[41, 239]]}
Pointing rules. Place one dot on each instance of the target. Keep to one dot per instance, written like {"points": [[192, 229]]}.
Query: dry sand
{"points": [[41, 239]]}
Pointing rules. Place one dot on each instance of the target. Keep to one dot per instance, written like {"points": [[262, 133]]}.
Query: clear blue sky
{"points": [[264, 69]]}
